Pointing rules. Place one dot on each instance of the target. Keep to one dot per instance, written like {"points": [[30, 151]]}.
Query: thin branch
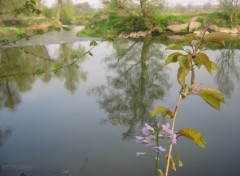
{"points": [[173, 126]]}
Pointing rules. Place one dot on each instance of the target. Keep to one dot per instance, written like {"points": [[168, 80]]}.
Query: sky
{"points": [[97, 3]]}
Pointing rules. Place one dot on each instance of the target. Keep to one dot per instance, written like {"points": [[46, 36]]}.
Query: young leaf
{"points": [[213, 97], [218, 37], [173, 57], [90, 53], [193, 135], [214, 66], [202, 57], [177, 158], [163, 110], [174, 47], [181, 76], [73, 56], [93, 43], [184, 62]]}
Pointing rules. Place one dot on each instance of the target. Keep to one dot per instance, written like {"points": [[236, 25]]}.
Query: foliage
{"points": [[48, 12], [231, 8], [221, 19], [165, 19], [11, 30], [109, 24], [68, 13], [29, 6]]}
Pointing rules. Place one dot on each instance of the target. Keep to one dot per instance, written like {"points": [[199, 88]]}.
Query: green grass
{"points": [[221, 19], [110, 24], [11, 30]]}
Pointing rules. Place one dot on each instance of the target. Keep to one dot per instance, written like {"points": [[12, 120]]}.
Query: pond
{"points": [[81, 120]]}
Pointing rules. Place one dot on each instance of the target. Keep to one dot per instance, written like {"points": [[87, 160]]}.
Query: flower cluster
{"points": [[151, 137]]}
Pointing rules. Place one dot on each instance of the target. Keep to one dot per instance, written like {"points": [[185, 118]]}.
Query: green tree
{"points": [[142, 10], [231, 7], [65, 12]]}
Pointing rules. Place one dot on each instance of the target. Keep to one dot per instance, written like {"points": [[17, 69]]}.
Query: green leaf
{"points": [[73, 56], [214, 66], [184, 62], [58, 66], [213, 97], [181, 76], [193, 135], [218, 37], [163, 110], [93, 43], [203, 58], [177, 158], [173, 57], [90, 53], [174, 47]]}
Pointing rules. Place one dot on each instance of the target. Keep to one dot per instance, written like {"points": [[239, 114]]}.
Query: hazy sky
{"points": [[97, 3]]}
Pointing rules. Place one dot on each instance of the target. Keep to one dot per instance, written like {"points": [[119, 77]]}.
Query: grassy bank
{"points": [[108, 23]]}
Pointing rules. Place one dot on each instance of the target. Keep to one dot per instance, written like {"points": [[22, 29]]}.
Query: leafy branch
{"points": [[188, 62], [58, 66], [28, 6]]}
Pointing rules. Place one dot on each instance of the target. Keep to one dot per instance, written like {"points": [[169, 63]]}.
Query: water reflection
{"points": [[139, 78], [228, 72], [4, 134], [19, 65]]}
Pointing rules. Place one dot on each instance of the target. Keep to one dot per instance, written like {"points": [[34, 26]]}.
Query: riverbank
{"points": [[108, 24], [19, 26]]}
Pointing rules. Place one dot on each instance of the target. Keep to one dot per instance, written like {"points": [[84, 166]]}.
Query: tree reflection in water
{"points": [[229, 71], [16, 62], [139, 78], [4, 134]]}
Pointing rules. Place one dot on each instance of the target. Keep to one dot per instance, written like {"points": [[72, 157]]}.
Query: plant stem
{"points": [[173, 126], [158, 155]]}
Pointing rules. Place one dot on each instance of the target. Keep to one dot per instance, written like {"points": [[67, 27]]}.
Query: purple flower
{"points": [[148, 130], [159, 149], [173, 138], [169, 133], [151, 140], [167, 129], [141, 153], [139, 139]]}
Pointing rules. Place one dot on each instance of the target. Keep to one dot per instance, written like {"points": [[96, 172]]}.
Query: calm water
{"points": [[83, 120]]}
